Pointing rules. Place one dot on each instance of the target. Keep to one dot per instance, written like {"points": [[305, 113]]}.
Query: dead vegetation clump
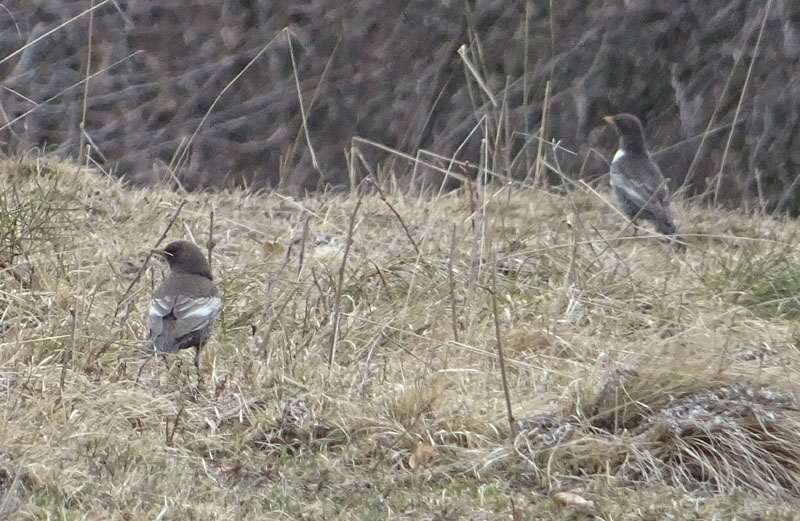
{"points": [[709, 438], [736, 437]]}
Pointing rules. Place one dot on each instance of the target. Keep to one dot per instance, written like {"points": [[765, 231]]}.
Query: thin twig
{"points": [[337, 303], [542, 132], [525, 75], [569, 278], [741, 101], [301, 256], [275, 317], [383, 281], [170, 435], [141, 367], [462, 51], [86, 85], [300, 101], [377, 341], [351, 168], [501, 358], [452, 283], [210, 243], [474, 250], [53, 30], [396, 214], [322, 83], [68, 352], [146, 260], [501, 153], [67, 89]]}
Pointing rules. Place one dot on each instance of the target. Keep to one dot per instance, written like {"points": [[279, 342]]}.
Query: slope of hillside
{"points": [[644, 384], [232, 93]]}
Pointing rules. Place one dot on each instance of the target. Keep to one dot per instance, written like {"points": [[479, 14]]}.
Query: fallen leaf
{"points": [[273, 249], [422, 455], [573, 500], [227, 467]]}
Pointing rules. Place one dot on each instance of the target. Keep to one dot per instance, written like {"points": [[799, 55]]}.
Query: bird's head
{"points": [[630, 131], [185, 257]]}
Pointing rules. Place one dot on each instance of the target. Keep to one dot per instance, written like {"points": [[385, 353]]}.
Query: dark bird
{"points": [[638, 183], [186, 304]]}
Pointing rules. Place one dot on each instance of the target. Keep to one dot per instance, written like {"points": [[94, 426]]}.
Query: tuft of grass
{"points": [[34, 215], [765, 280]]}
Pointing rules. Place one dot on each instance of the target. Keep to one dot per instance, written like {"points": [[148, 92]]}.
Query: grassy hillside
{"points": [[644, 384]]}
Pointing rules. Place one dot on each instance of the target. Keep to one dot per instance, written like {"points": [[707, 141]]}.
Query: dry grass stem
{"points": [[337, 301], [382, 195], [512, 426]]}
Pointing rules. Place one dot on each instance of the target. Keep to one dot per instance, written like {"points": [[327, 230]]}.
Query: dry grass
{"points": [[655, 385]]}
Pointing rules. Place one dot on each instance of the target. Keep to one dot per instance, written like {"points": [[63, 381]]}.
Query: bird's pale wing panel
{"points": [[658, 199], [636, 191], [656, 184], [159, 308], [647, 192], [193, 313]]}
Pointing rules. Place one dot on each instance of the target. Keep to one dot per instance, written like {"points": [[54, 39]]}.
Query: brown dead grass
{"points": [[637, 380]]}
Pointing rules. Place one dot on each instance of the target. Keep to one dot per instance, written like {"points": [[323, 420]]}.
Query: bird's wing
{"points": [[194, 313], [160, 307], [647, 192], [188, 314]]}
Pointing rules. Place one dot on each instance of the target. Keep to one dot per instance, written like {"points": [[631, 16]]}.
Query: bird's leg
{"points": [[197, 366]]}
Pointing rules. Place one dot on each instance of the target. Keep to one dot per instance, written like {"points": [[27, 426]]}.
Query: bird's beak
{"points": [[609, 119], [161, 253]]}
